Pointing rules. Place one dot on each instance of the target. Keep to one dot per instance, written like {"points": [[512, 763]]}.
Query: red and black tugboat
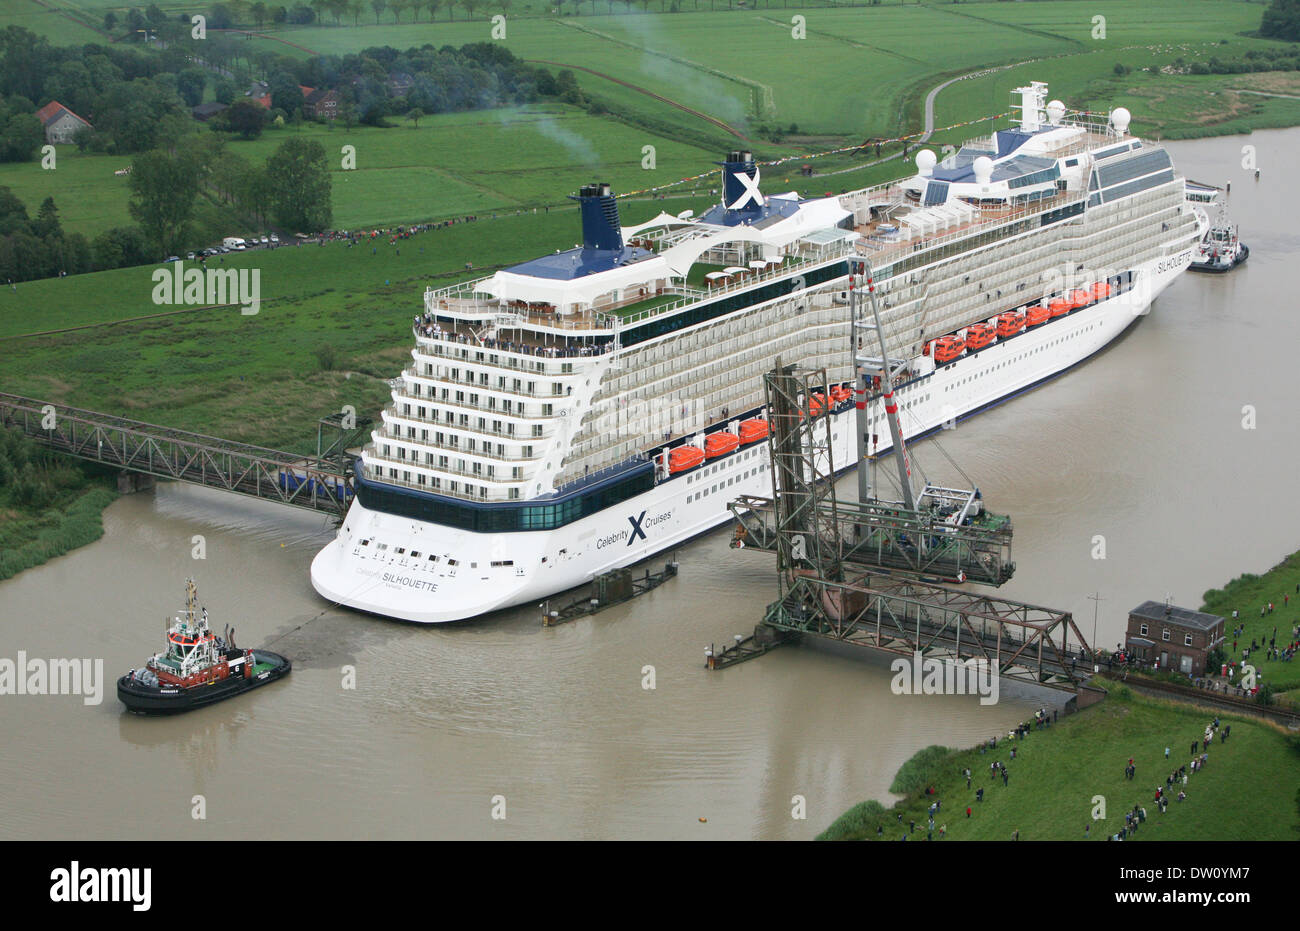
{"points": [[198, 668]]}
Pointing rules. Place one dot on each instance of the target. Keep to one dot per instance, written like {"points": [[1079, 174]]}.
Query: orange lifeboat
{"points": [[817, 403], [1100, 291], [719, 444], [1079, 298], [1059, 308], [926, 350], [980, 335], [1036, 315], [753, 429], [683, 458], [839, 394], [948, 348], [1010, 324]]}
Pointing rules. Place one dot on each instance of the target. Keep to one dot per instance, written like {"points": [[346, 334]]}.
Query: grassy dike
{"points": [[1248, 594], [1248, 790]]}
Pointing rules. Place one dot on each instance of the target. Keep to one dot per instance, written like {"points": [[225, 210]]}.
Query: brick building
{"points": [[1173, 637]]}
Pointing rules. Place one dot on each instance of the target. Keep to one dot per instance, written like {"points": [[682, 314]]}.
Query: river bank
{"points": [[49, 505], [1068, 781]]}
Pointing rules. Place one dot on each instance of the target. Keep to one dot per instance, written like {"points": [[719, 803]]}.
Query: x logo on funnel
{"points": [[751, 190]]}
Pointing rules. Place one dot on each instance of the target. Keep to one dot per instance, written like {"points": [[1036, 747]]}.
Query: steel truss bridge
{"points": [[321, 482], [1020, 642]]}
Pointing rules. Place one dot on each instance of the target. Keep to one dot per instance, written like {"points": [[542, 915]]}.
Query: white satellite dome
{"points": [[1120, 118], [925, 162], [983, 169], [1055, 110]]}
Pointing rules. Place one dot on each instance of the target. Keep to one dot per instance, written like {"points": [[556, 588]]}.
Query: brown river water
{"points": [[1143, 445]]}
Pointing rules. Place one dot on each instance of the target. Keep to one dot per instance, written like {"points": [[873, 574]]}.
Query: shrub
{"points": [[859, 821], [921, 770]]}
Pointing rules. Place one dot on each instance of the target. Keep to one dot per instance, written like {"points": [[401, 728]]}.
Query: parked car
{"points": [[274, 238], [173, 258], [264, 240]]}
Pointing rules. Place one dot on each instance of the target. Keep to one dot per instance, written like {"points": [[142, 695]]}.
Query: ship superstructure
{"points": [[589, 408]]}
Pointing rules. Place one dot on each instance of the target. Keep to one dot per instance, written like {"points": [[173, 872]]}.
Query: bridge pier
{"points": [[131, 482]]}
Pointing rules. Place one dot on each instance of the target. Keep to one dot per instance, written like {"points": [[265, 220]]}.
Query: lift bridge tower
{"points": [[871, 571]]}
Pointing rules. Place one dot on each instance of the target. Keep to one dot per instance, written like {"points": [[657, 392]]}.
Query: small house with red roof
{"points": [[61, 124]]}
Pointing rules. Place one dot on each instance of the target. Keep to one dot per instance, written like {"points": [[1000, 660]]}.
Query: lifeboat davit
{"points": [[1079, 298], [719, 444], [948, 348], [1059, 308], [980, 335], [683, 458], [1100, 291], [1010, 324], [753, 429], [1036, 315]]}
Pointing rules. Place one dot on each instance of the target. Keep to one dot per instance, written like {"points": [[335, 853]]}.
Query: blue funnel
{"points": [[600, 226], [733, 189]]}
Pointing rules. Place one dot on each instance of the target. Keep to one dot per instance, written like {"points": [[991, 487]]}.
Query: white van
{"points": [[233, 242]]}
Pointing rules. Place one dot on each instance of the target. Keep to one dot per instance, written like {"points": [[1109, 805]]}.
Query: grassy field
{"points": [[1247, 790], [453, 164], [1248, 594]]}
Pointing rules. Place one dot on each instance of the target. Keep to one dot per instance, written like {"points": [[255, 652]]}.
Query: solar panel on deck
{"points": [[936, 192]]}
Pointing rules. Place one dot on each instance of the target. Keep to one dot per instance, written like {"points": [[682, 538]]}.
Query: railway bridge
{"points": [[320, 482]]}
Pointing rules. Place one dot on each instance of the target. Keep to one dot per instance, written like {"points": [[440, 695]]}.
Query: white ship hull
{"points": [[500, 570]]}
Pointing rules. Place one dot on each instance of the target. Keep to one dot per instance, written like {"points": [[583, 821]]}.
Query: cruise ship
{"points": [[584, 410]]}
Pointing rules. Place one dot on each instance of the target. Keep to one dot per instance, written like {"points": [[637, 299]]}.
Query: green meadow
{"points": [[451, 165], [1247, 790]]}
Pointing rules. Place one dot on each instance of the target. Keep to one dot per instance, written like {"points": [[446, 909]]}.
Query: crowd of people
{"points": [[1174, 788], [427, 325], [1175, 783]]}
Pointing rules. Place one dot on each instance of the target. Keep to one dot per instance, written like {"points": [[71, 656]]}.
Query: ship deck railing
{"points": [[610, 316], [471, 340], [460, 385], [481, 476], [883, 253], [478, 409], [444, 450], [468, 428]]}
